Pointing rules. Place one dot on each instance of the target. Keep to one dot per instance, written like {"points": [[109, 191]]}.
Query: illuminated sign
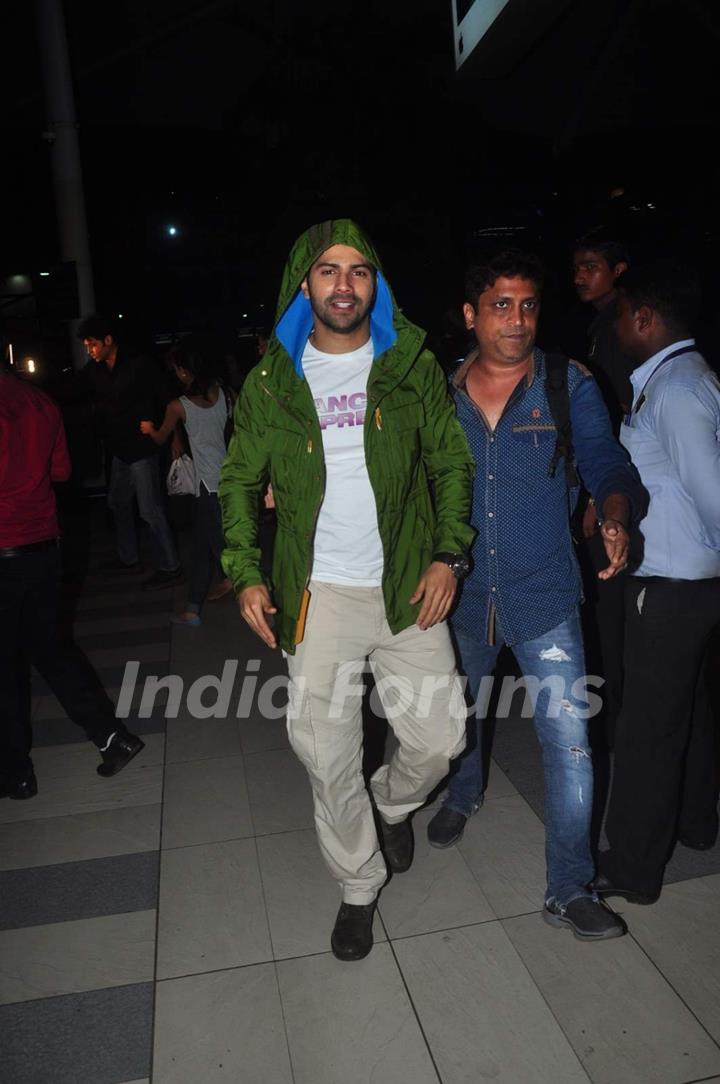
{"points": [[471, 21]]}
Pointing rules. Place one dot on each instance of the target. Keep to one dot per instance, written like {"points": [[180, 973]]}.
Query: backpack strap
{"points": [[558, 397]]}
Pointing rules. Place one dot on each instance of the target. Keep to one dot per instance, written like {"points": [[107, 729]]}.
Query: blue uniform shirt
{"points": [[673, 436], [524, 565]]}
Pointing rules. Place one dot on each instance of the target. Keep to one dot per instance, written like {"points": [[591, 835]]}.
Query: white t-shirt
{"points": [[347, 541]]}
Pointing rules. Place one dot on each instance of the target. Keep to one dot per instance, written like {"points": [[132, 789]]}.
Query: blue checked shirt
{"points": [[525, 571]]}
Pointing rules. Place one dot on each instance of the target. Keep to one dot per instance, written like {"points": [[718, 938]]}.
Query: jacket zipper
{"points": [[309, 450]]}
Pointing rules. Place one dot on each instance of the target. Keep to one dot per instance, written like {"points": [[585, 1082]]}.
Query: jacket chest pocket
{"points": [[535, 436], [402, 422], [291, 461]]}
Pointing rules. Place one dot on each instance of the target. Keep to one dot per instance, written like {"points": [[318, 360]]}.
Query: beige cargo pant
{"points": [[422, 697]]}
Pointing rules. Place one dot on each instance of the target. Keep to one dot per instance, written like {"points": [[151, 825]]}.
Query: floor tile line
{"points": [[282, 1013], [65, 816], [445, 929], [677, 993], [414, 1008], [701, 1080], [157, 906], [86, 918], [74, 993], [270, 936], [221, 970], [545, 1001], [232, 839]]}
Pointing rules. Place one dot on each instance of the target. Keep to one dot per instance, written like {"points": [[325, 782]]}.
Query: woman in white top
{"points": [[204, 410]]}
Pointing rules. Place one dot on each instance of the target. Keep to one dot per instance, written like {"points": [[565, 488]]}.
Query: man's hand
{"points": [[147, 428], [616, 514], [617, 544], [254, 603], [437, 587]]}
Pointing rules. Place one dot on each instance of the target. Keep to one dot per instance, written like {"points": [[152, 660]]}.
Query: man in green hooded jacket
{"points": [[350, 421]]}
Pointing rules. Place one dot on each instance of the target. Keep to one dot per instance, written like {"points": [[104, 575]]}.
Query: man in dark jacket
{"points": [[127, 389], [33, 455], [350, 420], [598, 261]]}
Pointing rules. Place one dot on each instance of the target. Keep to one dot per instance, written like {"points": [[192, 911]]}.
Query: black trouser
{"points": [[208, 544], [29, 585], [665, 782], [604, 613]]}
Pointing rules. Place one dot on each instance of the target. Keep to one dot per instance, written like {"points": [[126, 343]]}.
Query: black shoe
{"points": [[20, 790], [589, 919], [603, 886], [697, 844], [116, 565], [397, 845], [352, 937], [446, 827], [163, 578], [120, 752]]}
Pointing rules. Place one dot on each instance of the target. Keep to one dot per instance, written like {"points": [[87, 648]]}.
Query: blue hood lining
{"points": [[295, 324]]}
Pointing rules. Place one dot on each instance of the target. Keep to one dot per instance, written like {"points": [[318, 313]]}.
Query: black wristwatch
{"points": [[458, 565]]}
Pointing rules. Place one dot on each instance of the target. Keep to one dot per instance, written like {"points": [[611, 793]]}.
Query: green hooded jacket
{"points": [[418, 461]]}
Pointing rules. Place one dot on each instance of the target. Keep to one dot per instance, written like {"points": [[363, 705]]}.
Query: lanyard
{"points": [[641, 397]]}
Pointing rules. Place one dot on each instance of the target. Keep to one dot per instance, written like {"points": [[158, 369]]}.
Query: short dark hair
{"points": [[199, 355], [510, 263], [666, 286], [612, 250], [96, 327]]}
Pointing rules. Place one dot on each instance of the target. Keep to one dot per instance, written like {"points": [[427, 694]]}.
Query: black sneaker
{"points": [[446, 827], [352, 937], [589, 918], [397, 844], [163, 578], [119, 752], [20, 789]]}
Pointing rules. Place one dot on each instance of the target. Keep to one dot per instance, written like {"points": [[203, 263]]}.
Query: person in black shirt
{"points": [[127, 388], [597, 264]]}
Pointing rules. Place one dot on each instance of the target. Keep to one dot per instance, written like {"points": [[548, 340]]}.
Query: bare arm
{"points": [[175, 413]]}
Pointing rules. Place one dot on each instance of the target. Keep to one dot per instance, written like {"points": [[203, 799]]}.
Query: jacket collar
{"points": [[278, 375], [459, 377]]}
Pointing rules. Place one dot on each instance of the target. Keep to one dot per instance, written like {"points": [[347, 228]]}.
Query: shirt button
{"points": [[493, 588], [492, 440], [490, 515], [492, 553], [490, 477]]}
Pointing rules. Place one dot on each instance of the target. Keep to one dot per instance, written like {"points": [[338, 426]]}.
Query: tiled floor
{"points": [[172, 924]]}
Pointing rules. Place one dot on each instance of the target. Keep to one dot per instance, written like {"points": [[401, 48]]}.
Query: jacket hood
{"points": [[294, 316]]}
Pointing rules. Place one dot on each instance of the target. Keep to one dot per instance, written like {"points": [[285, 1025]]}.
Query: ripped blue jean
{"points": [[554, 668]]}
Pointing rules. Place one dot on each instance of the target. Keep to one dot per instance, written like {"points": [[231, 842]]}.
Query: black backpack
{"points": [[558, 397]]}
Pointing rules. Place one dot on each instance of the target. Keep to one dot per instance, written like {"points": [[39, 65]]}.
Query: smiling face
{"points": [[505, 320], [341, 287]]}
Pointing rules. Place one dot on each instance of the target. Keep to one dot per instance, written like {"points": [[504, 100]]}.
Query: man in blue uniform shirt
{"points": [[665, 779], [524, 589]]}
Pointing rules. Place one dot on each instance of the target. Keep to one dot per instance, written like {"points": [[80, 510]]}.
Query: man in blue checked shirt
{"points": [[665, 785], [524, 589]]}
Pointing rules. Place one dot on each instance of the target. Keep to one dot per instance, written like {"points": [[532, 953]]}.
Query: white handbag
{"points": [[181, 477]]}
